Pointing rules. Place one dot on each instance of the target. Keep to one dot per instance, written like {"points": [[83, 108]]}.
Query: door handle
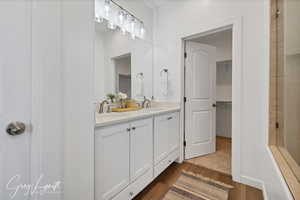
{"points": [[169, 118], [15, 128]]}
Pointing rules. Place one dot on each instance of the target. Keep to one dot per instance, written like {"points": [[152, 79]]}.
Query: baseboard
{"points": [[252, 182]]}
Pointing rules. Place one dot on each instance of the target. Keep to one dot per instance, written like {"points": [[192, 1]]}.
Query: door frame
{"points": [[237, 84]]}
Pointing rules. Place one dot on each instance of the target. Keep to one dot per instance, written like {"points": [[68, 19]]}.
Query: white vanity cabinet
{"points": [[141, 148], [166, 141], [123, 159], [112, 162], [129, 156]]}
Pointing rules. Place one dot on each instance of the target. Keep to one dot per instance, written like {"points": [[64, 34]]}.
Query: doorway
{"points": [[208, 106]]}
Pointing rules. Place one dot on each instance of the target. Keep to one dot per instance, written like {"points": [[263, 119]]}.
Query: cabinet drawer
{"points": [[134, 188], [162, 165]]}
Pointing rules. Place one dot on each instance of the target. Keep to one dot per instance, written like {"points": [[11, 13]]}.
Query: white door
{"points": [[200, 87], [15, 97], [141, 148], [112, 154]]}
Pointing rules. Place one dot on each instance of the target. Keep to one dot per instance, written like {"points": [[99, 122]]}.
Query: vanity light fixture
{"points": [[117, 16]]}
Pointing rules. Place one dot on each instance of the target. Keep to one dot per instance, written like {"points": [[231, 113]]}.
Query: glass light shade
{"points": [[127, 23], [107, 7], [132, 25], [121, 18]]}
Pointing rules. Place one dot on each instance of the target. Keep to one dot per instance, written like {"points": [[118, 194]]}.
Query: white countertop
{"points": [[121, 117]]}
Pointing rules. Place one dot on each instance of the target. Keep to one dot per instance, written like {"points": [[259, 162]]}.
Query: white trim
{"points": [[247, 180], [279, 174], [264, 191], [237, 80], [78, 36]]}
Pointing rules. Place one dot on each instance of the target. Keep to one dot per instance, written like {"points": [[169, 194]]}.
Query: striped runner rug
{"points": [[190, 186]]}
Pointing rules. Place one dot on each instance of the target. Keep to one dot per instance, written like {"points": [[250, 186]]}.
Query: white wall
{"points": [[222, 41], [176, 19], [99, 65]]}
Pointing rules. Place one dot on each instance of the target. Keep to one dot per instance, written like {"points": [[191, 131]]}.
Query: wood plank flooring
{"points": [[216, 166], [220, 160]]}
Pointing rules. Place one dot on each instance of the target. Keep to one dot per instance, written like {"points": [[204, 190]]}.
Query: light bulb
{"points": [[99, 19], [107, 7], [133, 36], [121, 18], [142, 31], [111, 25], [123, 30]]}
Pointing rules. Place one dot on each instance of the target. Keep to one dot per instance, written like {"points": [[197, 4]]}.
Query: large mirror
{"points": [[288, 82], [123, 63]]}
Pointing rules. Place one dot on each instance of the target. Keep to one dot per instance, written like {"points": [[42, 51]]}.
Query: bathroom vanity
{"points": [[133, 148]]}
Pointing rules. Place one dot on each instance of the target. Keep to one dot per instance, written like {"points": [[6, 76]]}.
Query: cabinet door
{"points": [[161, 137], [111, 160], [173, 131], [141, 143]]}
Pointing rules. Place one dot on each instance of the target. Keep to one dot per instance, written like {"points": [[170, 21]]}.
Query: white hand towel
{"points": [[140, 86]]}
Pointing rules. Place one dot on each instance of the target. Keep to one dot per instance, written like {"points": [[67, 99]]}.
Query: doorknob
{"points": [[214, 105], [15, 128]]}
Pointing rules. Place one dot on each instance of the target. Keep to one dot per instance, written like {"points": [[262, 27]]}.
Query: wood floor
{"points": [[220, 160], [215, 166]]}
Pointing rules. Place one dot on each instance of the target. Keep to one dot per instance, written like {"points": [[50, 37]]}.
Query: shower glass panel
{"points": [[288, 83]]}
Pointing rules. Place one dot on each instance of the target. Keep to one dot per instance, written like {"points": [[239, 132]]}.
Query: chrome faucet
{"points": [[101, 109], [146, 103]]}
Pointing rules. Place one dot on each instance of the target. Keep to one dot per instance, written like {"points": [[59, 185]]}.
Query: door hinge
{"points": [[185, 55], [277, 124], [184, 99], [277, 13], [184, 143]]}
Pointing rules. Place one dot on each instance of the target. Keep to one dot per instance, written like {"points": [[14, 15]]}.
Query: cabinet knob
{"points": [[131, 193], [128, 129], [133, 128]]}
